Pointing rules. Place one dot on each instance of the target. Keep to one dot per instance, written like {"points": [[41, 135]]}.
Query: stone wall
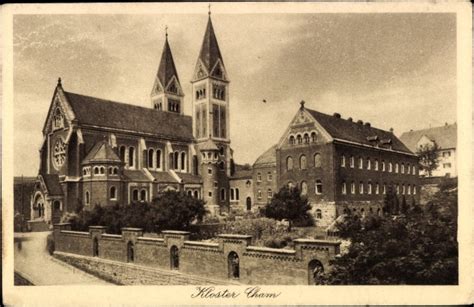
{"points": [[220, 260]]}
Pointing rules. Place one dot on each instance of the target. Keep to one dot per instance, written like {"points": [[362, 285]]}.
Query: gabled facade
{"points": [[101, 152], [445, 137]]}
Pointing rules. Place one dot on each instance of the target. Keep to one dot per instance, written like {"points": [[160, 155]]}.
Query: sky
{"points": [[392, 70]]}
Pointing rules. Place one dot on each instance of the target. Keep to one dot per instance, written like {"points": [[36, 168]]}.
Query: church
{"points": [[101, 152]]}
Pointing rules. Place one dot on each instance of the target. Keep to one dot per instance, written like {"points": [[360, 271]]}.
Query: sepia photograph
{"points": [[236, 151]]}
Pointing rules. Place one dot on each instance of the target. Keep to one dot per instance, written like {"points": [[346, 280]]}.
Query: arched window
{"points": [[113, 193], [353, 187], [409, 190], [237, 196], [352, 161], [369, 164], [196, 194], [58, 119], [88, 200], [102, 170], [233, 265], [174, 257], [403, 189], [135, 195], [369, 188], [396, 167], [183, 161], [384, 188], [344, 188], [304, 188], [319, 214], [249, 203], [122, 153], [377, 188], [221, 150], [115, 172], [84, 171], [259, 176], [376, 165], [390, 167], [176, 160], [269, 193], [361, 163], [315, 271], [111, 170], [190, 193], [414, 189], [289, 163], [306, 138], [232, 194], [361, 188], [292, 140], [143, 195], [317, 160], [222, 194], [131, 157], [383, 166], [56, 205], [158, 159], [398, 189], [151, 153], [303, 163], [403, 169], [96, 170], [414, 170], [299, 139], [343, 161], [318, 187], [313, 137], [130, 252]]}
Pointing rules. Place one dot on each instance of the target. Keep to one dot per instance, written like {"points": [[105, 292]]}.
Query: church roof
{"points": [[208, 145], [101, 152], [356, 132], [445, 136], [189, 178], [268, 158], [52, 184], [210, 52], [167, 69], [109, 114], [163, 177]]}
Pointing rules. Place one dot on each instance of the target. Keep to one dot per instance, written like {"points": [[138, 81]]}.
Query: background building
{"points": [[445, 137]]}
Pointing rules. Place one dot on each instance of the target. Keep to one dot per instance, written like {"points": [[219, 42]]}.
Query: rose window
{"points": [[59, 153]]}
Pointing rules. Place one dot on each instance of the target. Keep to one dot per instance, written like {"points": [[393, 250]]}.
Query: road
{"points": [[34, 263]]}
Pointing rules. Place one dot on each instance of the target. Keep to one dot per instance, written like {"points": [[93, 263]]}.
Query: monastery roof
{"points": [[163, 177], [445, 136], [101, 152], [268, 158], [208, 145], [135, 175], [167, 69], [52, 184], [242, 174], [210, 52], [357, 132], [189, 178], [109, 114]]}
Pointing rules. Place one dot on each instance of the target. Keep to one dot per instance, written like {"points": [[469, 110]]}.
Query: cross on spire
{"points": [[166, 31], [209, 9]]}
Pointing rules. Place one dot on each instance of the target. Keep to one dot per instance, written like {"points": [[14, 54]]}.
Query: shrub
{"points": [[50, 244]]}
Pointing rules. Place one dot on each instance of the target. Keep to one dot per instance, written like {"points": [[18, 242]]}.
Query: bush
{"points": [[50, 244]]}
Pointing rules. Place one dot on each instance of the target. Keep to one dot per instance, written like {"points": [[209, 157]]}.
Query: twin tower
{"points": [[210, 98]]}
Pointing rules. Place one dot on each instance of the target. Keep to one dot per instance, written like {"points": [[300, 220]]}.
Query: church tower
{"points": [[210, 88], [167, 94]]}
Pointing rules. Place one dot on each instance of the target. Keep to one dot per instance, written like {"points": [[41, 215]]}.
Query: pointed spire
{"points": [[210, 52], [167, 69]]}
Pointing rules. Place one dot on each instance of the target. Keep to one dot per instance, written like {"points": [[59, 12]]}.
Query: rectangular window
{"points": [[343, 161], [259, 177], [269, 176], [344, 191], [210, 194], [352, 162], [270, 193], [209, 171], [446, 165], [376, 166], [259, 194]]}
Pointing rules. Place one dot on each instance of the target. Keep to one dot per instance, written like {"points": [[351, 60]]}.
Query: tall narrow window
{"points": [[319, 187], [403, 168], [289, 163], [135, 195], [122, 153], [292, 140], [396, 167], [376, 165], [313, 137], [317, 160], [143, 195], [237, 196], [343, 161], [150, 157], [369, 164], [414, 189], [390, 167], [303, 162], [361, 188], [361, 163], [352, 161], [306, 138], [232, 195], [299, 139], [304, 188], [344, 188], [377, 188], [383, 166], [158, 159], [222, 194], [131, 157], [183, 161], [269, 193], [88, 200], [369, 188], [409, 190], [384, 189], [259, 177], [176, 160], [353, 187], [113, 193]]}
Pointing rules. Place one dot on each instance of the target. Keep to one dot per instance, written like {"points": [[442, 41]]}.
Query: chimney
{"points": [[350, 119], [337, 115], [360, 122], [391, 130], [367, 124]]}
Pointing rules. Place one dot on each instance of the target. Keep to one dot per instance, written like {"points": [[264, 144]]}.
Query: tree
{"points": [[428, 157], [288, 204], [418, 248], [170, 210]]}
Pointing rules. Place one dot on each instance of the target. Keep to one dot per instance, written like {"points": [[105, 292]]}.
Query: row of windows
{"points": [[193, 193], [370, 188], [269, 176], [100, 170], [304, 138], [303, 162], [269, 194], [234, 194], [396, 168], [177, 160]]}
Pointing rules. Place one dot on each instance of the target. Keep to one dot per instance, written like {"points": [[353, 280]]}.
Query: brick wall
{"points": [[256, 265]]}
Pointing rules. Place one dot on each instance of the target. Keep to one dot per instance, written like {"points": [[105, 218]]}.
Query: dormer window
{"points": [[58, 119]]}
